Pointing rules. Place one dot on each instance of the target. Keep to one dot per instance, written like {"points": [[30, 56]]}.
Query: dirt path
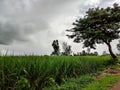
{"points": [[117, 86], [111, 71]]}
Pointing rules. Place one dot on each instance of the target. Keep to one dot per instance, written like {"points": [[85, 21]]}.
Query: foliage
{"points": [[23, 84], [84, 53], [88, 50], [104, 53], [38, 72], [99, 25], [118, 45], [66, 49], [96, 53], [56, 48], [73, 83]]}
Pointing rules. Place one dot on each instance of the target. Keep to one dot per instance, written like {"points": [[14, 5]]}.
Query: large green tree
{"points": [[99, 25]]}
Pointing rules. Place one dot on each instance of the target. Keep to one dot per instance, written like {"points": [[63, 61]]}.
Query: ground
{"points": [[116, 86], [113, 71]]}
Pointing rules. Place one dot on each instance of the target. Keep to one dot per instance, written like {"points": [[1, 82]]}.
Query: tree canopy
{"points": [[99, 25]]}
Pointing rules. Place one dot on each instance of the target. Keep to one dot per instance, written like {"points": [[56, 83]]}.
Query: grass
{"points": [[87, 82], [38, 72], [73, 83], [105, 83]]}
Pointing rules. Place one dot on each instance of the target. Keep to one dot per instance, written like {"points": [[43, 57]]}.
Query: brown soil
{"points": [[112, 71], [116, 86]]}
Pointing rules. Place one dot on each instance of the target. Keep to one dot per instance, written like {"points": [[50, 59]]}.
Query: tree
{"points": [[104, 53], [88, 50], [96, 53], [118, 45], [66, 49], [55, 46], [99, 25], [83, 53]]}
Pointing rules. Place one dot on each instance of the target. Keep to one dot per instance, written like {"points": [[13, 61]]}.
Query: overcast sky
{"points": [[30, 26]]}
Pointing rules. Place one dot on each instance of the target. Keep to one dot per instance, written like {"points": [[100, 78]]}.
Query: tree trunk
{"points": [[111, 53]]}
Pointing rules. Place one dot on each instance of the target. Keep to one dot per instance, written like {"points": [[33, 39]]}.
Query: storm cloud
{"points": [[31, 25], [21, 18]]}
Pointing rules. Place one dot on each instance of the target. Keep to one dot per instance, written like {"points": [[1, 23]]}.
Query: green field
{"points": [[45, 72]]}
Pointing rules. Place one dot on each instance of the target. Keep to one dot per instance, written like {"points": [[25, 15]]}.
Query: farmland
{"points": [[42, 72]]}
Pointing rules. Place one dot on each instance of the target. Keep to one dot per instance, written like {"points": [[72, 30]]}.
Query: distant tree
{"points": [[77, 54], [88, 50], [56, 48], [104, 53], [99, 25], [66, 49], [83, 53], [96, 53], [118, 45]]}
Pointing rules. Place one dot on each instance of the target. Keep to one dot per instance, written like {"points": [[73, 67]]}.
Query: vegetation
{"points": [[87, 82], [118, 45], [103, 84], [56, 48], [67, 72], [37, 72], [100, 25], [73, 83], [84, 53], [66, 49]]}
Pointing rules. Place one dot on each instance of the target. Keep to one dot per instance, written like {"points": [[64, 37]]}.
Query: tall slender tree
{"points": [[56, 48]]}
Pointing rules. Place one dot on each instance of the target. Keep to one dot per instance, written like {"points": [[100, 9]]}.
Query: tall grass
{"points": [[37, 72]]}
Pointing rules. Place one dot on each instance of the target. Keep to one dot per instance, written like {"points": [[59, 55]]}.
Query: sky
{"points": [[30, 26]]}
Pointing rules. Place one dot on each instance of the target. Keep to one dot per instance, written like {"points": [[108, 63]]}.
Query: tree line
{"points": [[67, 51]]}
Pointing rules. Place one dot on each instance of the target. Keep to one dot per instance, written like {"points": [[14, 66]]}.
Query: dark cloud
{"points": [[34, 24], [22, 18], [15, 29]]}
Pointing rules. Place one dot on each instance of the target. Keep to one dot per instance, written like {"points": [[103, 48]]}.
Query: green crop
{"points": [[37, 72]]}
